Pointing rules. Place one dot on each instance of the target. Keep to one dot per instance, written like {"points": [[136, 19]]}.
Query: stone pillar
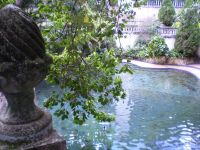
{"points": [[23, 65]]}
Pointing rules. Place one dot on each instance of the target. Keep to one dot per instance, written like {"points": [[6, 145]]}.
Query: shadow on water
{"points": [[161, 111]]}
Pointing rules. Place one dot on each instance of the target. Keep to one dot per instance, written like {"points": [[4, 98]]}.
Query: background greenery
{"points": [[79, 36], [188, 35], [167, 13]]}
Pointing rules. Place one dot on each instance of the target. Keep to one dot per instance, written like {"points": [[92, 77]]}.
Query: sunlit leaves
{"points": [[5, 2], [79, 37], [91, 85], [84, 66]]}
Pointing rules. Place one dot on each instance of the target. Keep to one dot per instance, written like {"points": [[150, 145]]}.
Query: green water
{"points": [[161, 111]]}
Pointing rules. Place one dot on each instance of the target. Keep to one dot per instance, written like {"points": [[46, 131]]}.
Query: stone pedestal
{"points": [[36, 134], [52, 142], [23, 65]]}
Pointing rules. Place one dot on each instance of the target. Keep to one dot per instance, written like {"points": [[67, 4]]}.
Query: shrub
{"points": [[142, 54], [149, 27], [135, 52], [152, 29], [174, 54], [167, 13], [130, 53], [188, 3], [157, 47], [176, 25], [188, 35], [108, 43], [141, 42]]}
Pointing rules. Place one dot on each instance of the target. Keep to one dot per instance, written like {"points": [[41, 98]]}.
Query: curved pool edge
{"points": [[186, 68]]}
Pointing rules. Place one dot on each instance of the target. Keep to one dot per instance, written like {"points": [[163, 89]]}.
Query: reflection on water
{"points": [[161, 111]]}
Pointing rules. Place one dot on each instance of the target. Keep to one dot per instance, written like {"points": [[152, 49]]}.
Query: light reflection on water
{"points": [[161, 111]]}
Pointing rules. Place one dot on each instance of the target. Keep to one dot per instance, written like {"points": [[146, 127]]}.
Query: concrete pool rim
{"points": [[186, 68]]}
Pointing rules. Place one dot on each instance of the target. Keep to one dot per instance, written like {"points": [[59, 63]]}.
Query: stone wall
{"points": [[129, 41], [146, 16]]}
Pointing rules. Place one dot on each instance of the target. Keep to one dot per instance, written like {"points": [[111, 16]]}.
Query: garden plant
{"points": [[167, 13]]}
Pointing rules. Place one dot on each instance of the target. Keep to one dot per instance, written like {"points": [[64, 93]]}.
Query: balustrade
{"points": [[163, 31], [155, 3]]}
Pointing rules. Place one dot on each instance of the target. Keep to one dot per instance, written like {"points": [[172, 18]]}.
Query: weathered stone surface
{"points": [[52, 142], [19, 35], [22, 50], [23, 64], [182, 61], [171, 61], [28, 131], [159, 60]]}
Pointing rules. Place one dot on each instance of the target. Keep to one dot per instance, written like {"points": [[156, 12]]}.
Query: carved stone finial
{"points": [[23, 64]]}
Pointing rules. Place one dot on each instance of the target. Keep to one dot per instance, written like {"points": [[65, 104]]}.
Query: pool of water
{"points": [[161, 111]]}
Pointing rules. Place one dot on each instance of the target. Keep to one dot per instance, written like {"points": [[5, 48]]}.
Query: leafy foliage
{"points": [[140, 47], [188, 35], [84, 65], [5, 2], [174, 54], [188, 3], [143, 53], [149, 28], [89, 86], [167, 13], [79, 35], [157, 47], [136, 52]]}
